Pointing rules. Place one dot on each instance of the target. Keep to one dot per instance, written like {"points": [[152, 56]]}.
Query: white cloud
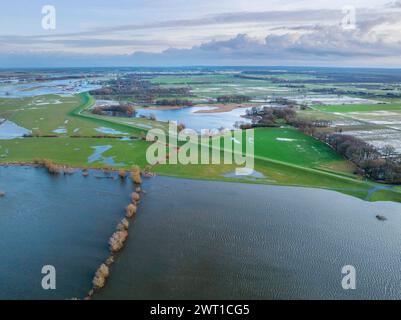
{"points": [[290, 33], [323, 45]]}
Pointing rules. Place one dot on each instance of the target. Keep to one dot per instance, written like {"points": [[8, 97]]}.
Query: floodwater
{"points": [[60, 130], [331, 99], [97, 156], [198, 121], [194, 239], [9, 130], [214, 240], [60, 87], [110, 131], [63, 221]]}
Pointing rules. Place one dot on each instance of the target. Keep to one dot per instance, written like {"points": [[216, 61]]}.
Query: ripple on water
{"points": [[214, 240], [64, 221]]}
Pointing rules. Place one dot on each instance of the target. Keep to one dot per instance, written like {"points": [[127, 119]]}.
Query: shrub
{"points": [[51, 167], [135, 197], [117, 240], [122, 174], [136, 174], [109, 261], [131, 210], [100, 277], [123, 225]]}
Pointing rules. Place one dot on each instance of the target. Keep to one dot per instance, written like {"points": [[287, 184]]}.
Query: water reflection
{"points": [[214, 240], [198, 121]]}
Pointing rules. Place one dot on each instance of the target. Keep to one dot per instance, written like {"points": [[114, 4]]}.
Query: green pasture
{"points": [[284, 156], [359, 107]]}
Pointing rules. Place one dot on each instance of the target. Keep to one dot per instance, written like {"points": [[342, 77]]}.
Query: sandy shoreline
{"points": [[220, 108]]}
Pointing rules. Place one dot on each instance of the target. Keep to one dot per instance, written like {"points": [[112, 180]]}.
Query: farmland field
{"points": [[103, 134], [283, 155], [377, 124], [65, 131], [360, 107]]}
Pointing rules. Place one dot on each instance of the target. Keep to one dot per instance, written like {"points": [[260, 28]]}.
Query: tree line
{"points": [[381, 165], [122, 110], [235, 98]]}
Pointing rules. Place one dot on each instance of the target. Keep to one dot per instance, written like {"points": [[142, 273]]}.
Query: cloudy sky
{"points": [[202, 32]]}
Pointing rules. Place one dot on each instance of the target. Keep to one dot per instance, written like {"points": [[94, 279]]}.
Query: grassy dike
{"points": [[284, 156]]}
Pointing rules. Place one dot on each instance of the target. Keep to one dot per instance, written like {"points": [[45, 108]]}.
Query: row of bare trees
{"points": [[235, 98], [139, 89], [174, 102], [380, 165]]}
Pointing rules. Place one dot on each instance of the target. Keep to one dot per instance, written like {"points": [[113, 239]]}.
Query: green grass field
{"points": [[359, 107], [212, 86], [68, 113], [284, 156], [292, 146]]}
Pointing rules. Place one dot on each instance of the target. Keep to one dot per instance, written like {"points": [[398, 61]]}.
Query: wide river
{"points": [[194, 239], [198, 121]]}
